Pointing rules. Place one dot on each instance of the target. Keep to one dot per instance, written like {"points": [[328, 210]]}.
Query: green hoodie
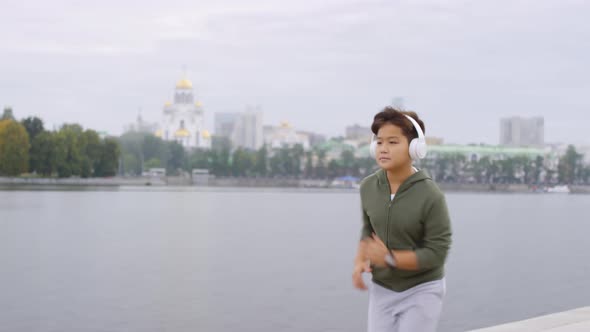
{"points": [[417, 219]]}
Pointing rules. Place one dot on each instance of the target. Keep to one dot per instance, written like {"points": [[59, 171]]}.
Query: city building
{"points": [[182, 120], [285, 135], [141, 126], [522, 132], [244, 129], [356, 132], [224, 123]]}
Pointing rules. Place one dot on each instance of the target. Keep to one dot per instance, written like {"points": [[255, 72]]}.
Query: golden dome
{"points": [[285, 124], [198, 104], [182, 133], [167, 103], [158, 133], [205, 134], [184, 84]]}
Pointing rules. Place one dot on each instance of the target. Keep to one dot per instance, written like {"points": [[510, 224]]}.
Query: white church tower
{"points": [[182, 120]]}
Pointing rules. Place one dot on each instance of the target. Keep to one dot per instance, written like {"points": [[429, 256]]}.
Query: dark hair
{"points": [[396, 117]]}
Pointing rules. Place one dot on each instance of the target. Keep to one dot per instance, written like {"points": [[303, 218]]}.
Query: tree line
{"points": [[142, 151], [519, 169], [26, 147]]}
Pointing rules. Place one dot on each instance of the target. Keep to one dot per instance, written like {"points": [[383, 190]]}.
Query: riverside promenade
{"points": [[577, 320]]}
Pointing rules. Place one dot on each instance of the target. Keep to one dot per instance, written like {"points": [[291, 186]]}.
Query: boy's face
{"points": [[392, 148]]}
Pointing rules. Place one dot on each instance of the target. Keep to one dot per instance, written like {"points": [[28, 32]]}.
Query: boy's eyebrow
{"points": [[387, 137]]}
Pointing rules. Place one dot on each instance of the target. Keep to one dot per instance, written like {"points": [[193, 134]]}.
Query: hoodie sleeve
{"points": [[366, 230], [437, 236]]}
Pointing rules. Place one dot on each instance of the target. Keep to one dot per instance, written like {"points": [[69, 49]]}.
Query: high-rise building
{"points": [[358, 132], [243, 129], [225, 123], [314, 138], [518, 131], [247, 132]]}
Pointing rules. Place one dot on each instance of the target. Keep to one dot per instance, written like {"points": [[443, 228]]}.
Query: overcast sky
{"points": [[322, 65]]}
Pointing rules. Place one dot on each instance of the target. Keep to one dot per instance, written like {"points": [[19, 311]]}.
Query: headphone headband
{"points": [[416, 125]]}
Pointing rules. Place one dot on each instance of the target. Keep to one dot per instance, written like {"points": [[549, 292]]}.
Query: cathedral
{"points": [[182, 121]]}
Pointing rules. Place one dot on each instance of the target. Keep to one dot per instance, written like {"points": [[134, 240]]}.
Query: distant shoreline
{"points": [[116, 182]]}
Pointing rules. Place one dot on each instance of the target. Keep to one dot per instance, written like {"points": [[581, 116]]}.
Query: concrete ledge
{"points": [[577, 320]]}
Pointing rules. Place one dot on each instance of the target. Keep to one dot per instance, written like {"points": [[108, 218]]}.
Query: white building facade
{"points": [[285, 136], [183, 119]]}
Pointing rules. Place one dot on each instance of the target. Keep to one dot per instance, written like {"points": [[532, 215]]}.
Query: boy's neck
{"points": [[397, 176]]}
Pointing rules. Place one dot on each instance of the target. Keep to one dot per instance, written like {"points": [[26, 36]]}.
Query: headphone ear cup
{"points": [[417, 149], [421, 148], [412, 149]]}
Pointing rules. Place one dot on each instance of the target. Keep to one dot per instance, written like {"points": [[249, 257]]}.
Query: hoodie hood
{"points": [[418, 176]]}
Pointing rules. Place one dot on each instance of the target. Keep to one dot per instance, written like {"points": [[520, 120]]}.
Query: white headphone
{"points": [[417, 148]]}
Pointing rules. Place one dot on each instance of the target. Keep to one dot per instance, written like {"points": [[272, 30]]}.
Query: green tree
{"points": [[34, 126], [85, 166], [296, 159], [243, 162], [261, 168], [458, 162], [308, 171], [220, 161], [476, 169], [333, 169], [492, 170], [538, 169], [281, 163], [14, 148], [586, 174], [93, 147], [368, 165], [108, 161], [61, 153], [286, 161], [321, 169], [177, 158], [348, 162], [43, 154], [507, 170], [276, 166], [200, 158], [130, 165], [527, 166], [71, 160], [549, 176], [524, 169], [144, 147], [131, 148], [155, 147], [569, 165], [153, 163], [443, 163]]}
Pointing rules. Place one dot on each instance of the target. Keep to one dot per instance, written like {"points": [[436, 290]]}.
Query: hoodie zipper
{"points": [[387, 225], [390, 204]]}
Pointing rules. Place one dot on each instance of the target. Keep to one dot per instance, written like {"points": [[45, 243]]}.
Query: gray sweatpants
{"points": [[414, 310]]}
